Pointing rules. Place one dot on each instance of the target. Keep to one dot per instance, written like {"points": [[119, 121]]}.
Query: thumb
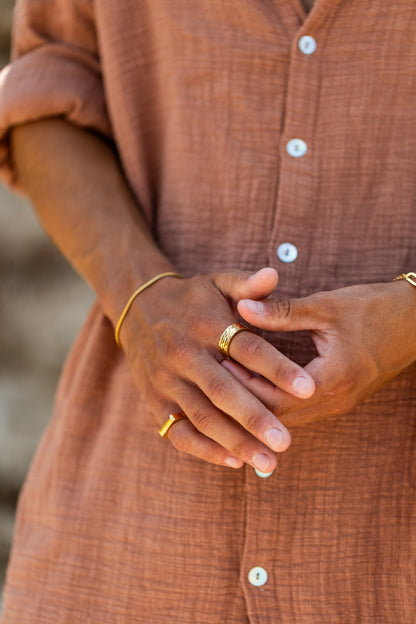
{"points": [[247, 285], [279, 314]]}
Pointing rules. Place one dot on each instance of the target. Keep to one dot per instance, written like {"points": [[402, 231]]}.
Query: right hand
{"points": [[170, 337]]}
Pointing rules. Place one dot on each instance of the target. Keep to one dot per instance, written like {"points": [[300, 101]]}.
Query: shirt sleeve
{"points": [[54, 71]]}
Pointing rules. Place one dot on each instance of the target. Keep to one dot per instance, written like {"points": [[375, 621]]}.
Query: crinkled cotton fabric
{"points": [[201, 100]]}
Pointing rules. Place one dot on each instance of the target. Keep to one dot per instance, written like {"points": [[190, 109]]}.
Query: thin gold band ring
{"points": [[173, 418]]}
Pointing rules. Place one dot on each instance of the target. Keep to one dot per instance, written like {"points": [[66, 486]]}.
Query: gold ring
{"points": [[227, 336], [173, 418]]}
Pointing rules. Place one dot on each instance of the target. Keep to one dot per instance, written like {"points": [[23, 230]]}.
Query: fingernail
{"points": [[261, 462], [233, 462], [254, 306], [303, 386], [274, 438]]}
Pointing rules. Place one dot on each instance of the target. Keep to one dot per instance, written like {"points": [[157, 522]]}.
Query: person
{"points": [[262, 157]]}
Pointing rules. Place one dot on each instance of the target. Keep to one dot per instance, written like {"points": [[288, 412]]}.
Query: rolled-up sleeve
{"points": [[54, 71]]}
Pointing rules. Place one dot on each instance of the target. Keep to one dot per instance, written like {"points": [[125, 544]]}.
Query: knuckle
{"points": [[216, 388], [163, 380], [239, 449], [252, 423], [284, 370], [282, 307], [201, 419], [252, 345], [206, 327], [181, 353]]}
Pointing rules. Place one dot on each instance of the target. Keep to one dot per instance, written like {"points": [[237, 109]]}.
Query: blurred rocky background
{"points": [[42, 304]]}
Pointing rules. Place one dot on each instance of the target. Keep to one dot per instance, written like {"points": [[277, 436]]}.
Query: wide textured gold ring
{"points": [[227, 336], [173, 418]]}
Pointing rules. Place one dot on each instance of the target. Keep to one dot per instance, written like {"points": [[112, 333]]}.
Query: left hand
{"points": [[365, 335]]}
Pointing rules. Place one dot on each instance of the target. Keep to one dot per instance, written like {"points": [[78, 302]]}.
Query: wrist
{"points": [[409, 277], [119, 267], [405, 300], [135, 294]]}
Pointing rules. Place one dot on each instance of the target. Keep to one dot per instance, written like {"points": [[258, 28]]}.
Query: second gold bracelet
{"points": [[409, 277], [133, 297]]}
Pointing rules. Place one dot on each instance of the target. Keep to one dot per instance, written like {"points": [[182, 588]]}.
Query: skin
{"points": [[364, 334], [170, 335]]}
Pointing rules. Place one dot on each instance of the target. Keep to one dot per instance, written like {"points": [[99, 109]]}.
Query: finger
{"points": [[334, 393], [278, 401], [228, 433], [290, 410], [224, 392], [186, 439], [283, 314], [265, 391], [247, 285], [256, 354]]}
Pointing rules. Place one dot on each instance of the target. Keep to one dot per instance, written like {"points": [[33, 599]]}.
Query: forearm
{"points": [[169, 340], [79, 192]]}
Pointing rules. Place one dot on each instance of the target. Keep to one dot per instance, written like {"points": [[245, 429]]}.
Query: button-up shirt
{"points": [[251, 134]]}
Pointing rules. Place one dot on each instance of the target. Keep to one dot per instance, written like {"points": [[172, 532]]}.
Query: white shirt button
{"points": [[296, 148], [263, 475], [257, 576], [286, 252], [307, 44]]}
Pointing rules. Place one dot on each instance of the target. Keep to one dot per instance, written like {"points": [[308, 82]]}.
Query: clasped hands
{"points": [[239, 410]]}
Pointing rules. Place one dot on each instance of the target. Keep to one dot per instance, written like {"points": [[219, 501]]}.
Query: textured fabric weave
{"points": [[201, 99]]}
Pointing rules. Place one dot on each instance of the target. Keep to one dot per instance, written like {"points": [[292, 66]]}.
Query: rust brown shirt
{"points": [[252, 134]]}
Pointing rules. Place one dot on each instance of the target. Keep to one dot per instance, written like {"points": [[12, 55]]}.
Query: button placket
{"points": [[293, 209], [293, 216], [257, 561], [297, 157]]}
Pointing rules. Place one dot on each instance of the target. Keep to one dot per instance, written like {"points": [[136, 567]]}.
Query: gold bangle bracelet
{"points": [[409, 277], [133, 297]]}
